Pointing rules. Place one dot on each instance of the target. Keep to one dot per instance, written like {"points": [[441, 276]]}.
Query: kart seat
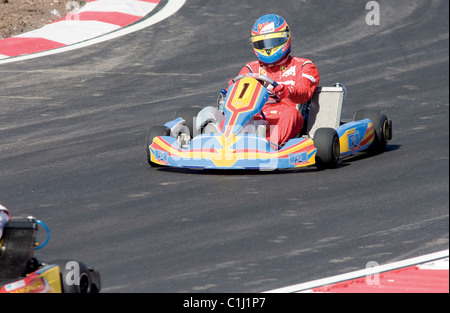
{"points": [[323, 110]]}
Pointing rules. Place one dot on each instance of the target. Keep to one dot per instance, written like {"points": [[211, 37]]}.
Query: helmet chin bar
{"points": [[277, 63]]}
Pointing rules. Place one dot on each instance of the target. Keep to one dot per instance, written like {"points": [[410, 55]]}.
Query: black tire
{"points": [[326, 141], [75, 279], [153, 132], [382, 127], [189, 115]]}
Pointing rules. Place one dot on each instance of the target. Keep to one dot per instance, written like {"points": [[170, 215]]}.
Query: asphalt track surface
{"points": [[73, 127]]}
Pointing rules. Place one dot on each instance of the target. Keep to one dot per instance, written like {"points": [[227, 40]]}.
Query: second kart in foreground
{"points": [[21, 272]]}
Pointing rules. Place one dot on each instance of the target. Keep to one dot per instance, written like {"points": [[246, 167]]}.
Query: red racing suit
{"points": [[301, 77]]}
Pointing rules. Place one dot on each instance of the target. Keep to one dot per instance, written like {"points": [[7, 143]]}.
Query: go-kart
{"points": [[230, 136], [21, 272]]}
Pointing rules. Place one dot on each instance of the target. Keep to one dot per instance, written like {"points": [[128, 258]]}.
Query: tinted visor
{"points": [[275, 40]]}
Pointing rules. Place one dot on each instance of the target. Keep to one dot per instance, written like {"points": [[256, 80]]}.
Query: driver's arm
{"points": [[306, 83]]}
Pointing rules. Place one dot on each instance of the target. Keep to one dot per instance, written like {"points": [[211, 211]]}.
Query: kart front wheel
{"points": [[326, 141], [382, 127], [189, 115], [153, 132]]}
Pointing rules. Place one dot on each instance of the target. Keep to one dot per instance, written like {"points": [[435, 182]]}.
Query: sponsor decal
{"points": [[161, 155], [353, 141], [289, 72], [298, 158], [266, 28]]}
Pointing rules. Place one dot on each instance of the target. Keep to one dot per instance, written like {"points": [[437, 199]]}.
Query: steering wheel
{"points": [[259, 77], [262, 79]]}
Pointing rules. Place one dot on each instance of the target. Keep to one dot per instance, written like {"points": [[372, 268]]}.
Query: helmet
{"points": [[271, 39]]}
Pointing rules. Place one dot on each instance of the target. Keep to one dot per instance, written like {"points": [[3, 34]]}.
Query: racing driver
{"points": [[297, 77]]}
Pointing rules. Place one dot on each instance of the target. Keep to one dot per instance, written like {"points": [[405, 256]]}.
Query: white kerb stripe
{"points": [[133, 7], [70, 32], [304, 287], [171, 7]]}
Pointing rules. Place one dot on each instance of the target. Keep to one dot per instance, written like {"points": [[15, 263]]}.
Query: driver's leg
{"points": [[285, 121]]}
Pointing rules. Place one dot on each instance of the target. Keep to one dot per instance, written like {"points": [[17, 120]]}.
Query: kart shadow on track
{"points": [[364, 155], [232, 172]]}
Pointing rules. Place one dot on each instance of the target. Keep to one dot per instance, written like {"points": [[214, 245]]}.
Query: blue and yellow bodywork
{"points": [[355, 136], [232, 149]]}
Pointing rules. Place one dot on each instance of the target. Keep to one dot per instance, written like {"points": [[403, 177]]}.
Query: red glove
{"points": [[282, 91]]}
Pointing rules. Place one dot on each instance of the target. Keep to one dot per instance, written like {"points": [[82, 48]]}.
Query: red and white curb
{"points": [[425, 274], [96, 21]]}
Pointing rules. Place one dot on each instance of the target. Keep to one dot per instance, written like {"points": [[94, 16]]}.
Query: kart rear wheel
{"points": [[153, 132], [189, 115], [382, 127], [76, 277], [326, 141]]}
